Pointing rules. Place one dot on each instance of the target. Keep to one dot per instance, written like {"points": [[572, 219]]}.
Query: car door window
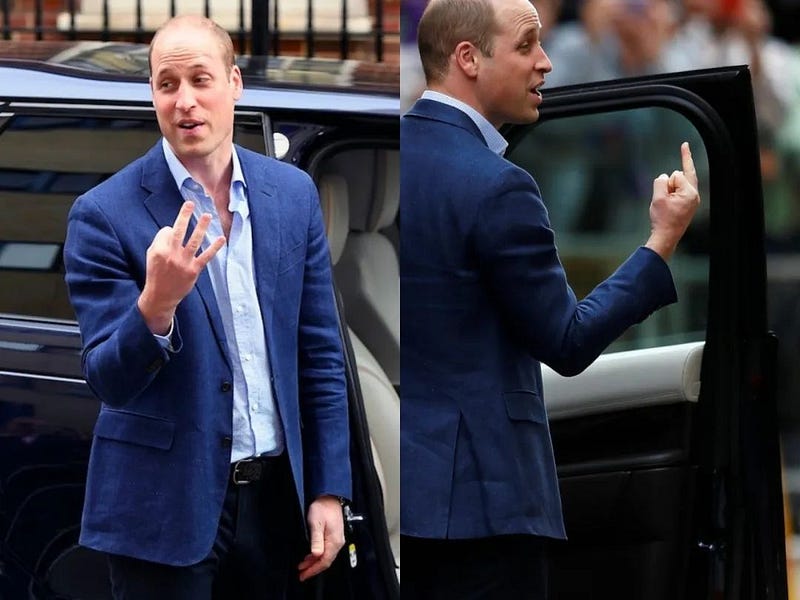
{"points": [[596, 176]]}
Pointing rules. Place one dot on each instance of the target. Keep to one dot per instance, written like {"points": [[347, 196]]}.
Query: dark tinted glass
{"points": [[596, 176]]}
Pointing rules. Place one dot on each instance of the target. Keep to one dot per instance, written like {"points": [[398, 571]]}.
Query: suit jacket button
{"points": [[226, 441], [155, 365], [226, 386]]}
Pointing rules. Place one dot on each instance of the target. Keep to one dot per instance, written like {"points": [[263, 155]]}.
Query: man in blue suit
{"points": [[485, 301], [201, 279]]}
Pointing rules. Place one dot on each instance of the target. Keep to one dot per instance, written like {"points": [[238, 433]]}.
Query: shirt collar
{"points": [[237, 202], [496, 142]]}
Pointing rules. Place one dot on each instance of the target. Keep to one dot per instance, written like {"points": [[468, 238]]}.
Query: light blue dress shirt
{"points": [[496, 142], [257, 428]]}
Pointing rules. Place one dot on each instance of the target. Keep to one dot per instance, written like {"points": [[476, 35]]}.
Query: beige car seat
{"points": [[368, 269], [381, 401]]}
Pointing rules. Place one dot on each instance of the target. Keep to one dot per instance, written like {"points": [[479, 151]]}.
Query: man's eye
{"points": [[164, 85]]}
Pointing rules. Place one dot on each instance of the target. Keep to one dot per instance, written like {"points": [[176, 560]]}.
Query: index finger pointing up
{"points": [[182, 222], [688, 164]]}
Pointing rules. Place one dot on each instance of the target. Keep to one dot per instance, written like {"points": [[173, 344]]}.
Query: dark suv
{"points": [[70, 121]]}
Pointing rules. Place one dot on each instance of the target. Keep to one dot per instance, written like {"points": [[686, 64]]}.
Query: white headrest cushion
{"points": [[387, 189], [335, 212]]}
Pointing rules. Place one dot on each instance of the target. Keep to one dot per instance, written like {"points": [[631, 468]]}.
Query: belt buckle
{"points": [[237, 481]]}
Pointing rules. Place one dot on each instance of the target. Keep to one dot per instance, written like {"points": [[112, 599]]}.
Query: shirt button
{"points": [[255, 407], [226, 386]]}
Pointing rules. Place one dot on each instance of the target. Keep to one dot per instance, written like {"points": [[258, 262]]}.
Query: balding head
{"points": [[200, 23], [446, 23]]}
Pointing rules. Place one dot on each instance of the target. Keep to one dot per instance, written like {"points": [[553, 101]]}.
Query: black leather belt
{"points": [[250, 470]]}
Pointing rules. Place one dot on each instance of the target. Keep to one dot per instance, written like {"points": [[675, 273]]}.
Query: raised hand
{"points": [[173, 268], [675, 200]]}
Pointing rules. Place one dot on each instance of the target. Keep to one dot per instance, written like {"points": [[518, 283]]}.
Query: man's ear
{"points": [[467, 58], [236, 82]]}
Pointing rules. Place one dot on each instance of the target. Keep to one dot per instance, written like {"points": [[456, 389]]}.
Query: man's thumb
{"points": [[317, 540]]}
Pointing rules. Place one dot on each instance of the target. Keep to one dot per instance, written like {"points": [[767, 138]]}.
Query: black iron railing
{"points": [[260, 36]]}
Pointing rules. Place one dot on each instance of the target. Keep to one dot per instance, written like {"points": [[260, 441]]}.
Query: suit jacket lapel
{"points": [[265, 220], [163, 203]]}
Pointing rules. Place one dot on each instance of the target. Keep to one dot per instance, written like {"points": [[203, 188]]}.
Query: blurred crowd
{"points": [[609, 39]]}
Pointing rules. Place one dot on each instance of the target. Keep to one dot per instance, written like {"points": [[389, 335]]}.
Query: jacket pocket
{"points": [[522, 405], [135, 428]]}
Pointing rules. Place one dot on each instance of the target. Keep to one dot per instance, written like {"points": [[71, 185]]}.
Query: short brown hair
{"points": [[223, 37], [445, 24]]}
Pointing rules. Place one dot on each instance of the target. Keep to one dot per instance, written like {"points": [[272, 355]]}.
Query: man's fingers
{"points": [[661, 185], [675, 181], [307, 561], [311, 566], [182, 222], [682, 185], [205, 257], [162, 238], [199, 233], [688, 164]]}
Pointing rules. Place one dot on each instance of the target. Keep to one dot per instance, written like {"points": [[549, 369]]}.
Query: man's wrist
{"points": [[340, 499], [158, 320], [166, 340], [661, 247]]}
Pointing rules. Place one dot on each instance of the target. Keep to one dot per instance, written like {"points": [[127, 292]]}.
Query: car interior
{"points": [[359, 195], [367, 272]]}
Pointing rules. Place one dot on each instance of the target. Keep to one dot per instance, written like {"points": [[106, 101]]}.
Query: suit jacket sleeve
{"points": [[120, 355], [517, 253], [323, 391]]}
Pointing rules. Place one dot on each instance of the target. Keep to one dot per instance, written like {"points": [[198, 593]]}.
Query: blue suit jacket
{"points": [[484, 302], [161, 451]]}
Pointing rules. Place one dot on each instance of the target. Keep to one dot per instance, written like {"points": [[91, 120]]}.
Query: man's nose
{"points": [[543, 63], [186, 99]]}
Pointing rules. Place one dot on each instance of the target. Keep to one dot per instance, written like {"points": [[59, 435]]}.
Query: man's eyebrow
{"points": [[527, 32], [199, 65]]}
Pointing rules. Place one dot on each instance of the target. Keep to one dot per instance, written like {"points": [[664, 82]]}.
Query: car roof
{"points": [[112, 72]]}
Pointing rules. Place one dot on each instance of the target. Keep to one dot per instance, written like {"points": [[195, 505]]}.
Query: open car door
{"points": [[667, 446]]}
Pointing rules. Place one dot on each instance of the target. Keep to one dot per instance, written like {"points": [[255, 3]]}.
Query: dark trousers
{"points": [[258, 546], [509, 567]]}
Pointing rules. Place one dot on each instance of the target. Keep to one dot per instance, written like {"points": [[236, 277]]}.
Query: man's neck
{"points": [[462, 94], [449, 90], [214, 173]]}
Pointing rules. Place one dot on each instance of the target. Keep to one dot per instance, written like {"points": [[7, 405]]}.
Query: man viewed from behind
{"points": [[200, 276], [485, 301]]}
